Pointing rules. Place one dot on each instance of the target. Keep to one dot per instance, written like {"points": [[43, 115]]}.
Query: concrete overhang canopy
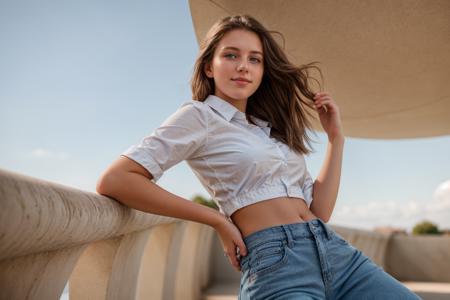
{"points": [[386, 63]]}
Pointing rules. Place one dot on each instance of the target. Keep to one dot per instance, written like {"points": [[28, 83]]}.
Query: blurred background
{"points": [[81, 81]]}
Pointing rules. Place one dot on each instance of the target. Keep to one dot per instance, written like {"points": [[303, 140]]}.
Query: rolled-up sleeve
{"points": [[181, 136]]}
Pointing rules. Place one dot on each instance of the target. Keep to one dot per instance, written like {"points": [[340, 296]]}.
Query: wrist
{"points": [[218, 220], [340, 138]]}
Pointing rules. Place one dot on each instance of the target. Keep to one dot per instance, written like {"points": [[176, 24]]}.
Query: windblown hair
{"points": [[278, 99]]}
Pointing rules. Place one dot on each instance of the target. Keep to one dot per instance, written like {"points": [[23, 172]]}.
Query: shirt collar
{"points": [[228, 111]]}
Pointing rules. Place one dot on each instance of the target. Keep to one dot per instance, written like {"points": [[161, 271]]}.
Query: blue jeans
{"points": [[309, 260]]}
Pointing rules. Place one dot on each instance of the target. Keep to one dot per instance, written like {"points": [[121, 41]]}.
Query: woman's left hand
{"points": [[329, 115]]}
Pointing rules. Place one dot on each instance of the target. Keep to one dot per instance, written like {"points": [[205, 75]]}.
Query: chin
{"points": [[239, 96]]}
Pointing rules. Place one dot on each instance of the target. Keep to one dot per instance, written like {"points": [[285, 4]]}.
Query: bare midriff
{"points": [[272, 212]]}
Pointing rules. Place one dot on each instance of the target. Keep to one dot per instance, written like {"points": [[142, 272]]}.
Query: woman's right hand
{"points": [[231, 238]]}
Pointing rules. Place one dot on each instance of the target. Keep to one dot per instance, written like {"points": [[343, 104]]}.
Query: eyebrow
{"points": [[237, 49]]}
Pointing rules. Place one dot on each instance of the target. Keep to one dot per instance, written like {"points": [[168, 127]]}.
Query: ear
{"points": [[208, 70]]}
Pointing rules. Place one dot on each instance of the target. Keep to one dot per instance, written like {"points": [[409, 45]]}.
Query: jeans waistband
{"points": [[287, 232]]}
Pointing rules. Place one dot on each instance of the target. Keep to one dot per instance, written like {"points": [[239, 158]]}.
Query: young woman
{"points": [[244, 136]]}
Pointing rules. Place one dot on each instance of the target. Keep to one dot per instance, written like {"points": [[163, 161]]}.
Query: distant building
{"points": [[390, 230]]}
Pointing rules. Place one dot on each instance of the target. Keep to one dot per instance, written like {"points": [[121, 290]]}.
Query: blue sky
{"points": [[81, 81]]}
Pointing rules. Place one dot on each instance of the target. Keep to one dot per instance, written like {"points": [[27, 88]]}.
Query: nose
{"points": [[242, 66]]}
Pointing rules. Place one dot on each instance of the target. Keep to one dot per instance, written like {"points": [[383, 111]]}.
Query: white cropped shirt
{"points": [[238, 163]]}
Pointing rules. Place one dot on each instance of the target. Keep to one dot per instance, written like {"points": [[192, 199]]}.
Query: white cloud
{"points": [[43, 153], [442, 193], [404, 214]]}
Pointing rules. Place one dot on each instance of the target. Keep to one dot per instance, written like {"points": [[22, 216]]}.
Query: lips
{"points": [[241, 79]]}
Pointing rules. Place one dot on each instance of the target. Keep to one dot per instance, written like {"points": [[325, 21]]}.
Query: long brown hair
{"points": [[278, 99]]}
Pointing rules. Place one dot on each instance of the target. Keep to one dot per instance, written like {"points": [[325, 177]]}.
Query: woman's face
{"points": [[239, 54]]}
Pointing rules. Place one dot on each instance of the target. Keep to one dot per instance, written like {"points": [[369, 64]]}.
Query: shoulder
{"points": [[194, 108], [190, 111], [193, 105]]}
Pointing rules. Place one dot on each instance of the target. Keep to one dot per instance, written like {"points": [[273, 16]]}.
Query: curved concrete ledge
{"points": [[38, 216], [50, 233]]}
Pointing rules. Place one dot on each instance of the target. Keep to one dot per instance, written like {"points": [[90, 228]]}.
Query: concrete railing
{"points": [[51, 234], [405, 257]]}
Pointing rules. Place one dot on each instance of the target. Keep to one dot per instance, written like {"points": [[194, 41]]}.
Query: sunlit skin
{"points": [[239, 54]]}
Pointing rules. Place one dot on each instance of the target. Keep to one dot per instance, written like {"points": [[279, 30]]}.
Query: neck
{"points": [[240, 104]]}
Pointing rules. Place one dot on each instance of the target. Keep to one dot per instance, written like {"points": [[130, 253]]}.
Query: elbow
{"points": [[325, 217], [100, 186], [104, 184], [325, 220], [320, 213]]}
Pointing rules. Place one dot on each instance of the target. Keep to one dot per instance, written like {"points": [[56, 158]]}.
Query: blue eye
{"points": [[256, 59], [252, 59], [228, 55]]}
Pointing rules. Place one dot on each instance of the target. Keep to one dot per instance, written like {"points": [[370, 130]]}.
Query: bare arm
{"points": [[326, 185], [130, 183]]}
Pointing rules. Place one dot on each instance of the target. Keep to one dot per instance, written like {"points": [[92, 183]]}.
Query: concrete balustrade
{"points": [[51, 234], [373, 244], [419, 258], [406, 257]]}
